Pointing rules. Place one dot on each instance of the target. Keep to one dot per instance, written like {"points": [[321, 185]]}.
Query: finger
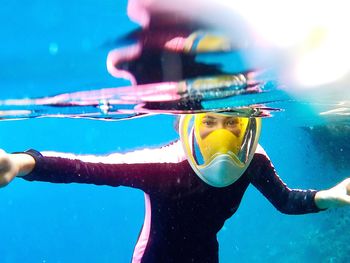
{"points": [[346, 181], [346, 184], [345, 200], [2, 155]]}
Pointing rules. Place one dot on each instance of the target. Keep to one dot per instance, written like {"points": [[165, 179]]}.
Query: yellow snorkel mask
{"points": [[219, 146]]}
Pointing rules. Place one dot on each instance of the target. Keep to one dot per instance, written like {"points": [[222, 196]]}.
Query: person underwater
{"points": [[192, 186]]}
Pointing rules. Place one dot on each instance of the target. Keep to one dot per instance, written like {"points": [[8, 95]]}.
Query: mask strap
{"points": [[247, 144]]}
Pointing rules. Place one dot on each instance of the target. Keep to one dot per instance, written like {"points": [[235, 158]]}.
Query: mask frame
{"points": [[222, 170]]}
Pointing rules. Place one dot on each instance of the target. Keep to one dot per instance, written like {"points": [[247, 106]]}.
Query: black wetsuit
{"points": [[185, 213]]}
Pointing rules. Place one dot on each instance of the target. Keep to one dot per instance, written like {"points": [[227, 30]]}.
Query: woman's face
{"points": [[211, 122]]}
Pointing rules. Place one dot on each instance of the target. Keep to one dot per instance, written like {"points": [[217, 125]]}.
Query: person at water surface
{"points": [[192, 186]]}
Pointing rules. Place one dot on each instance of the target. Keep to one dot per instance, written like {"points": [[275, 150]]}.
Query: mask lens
{"points": [[219, 134]]}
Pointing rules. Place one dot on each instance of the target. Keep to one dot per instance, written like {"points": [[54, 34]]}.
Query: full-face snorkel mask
{"points": [[219, 146]]}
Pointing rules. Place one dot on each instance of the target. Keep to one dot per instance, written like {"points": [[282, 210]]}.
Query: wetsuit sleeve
{"points": [[145, 176], [289, 201]]}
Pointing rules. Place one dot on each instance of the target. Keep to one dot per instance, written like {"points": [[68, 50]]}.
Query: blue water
{"points": [[53, 47]]}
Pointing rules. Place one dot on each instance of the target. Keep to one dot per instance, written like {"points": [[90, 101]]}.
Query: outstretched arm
{"points": [[147, 169], [289, 201], [294, 201]]}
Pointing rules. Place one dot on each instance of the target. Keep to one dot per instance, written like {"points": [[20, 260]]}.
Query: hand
{"points": [[8, 168], [336, 196]]}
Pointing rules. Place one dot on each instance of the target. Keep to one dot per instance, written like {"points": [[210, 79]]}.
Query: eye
{"points": [[208, 122], [232, 122]]}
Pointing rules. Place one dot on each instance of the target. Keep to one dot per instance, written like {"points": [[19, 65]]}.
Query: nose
{"points": [[221, 125]]}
